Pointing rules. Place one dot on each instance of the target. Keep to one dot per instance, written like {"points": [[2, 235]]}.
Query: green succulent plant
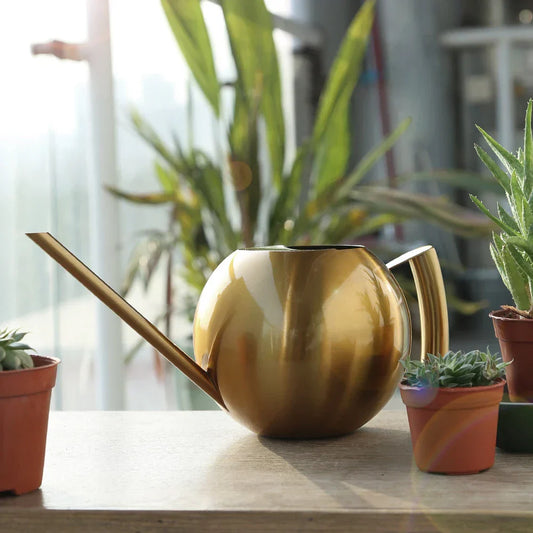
{"points": [[454, 369], [13, 354], [512, 247]]}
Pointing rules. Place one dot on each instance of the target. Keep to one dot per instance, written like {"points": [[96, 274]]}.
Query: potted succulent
{"points": [[26, 383], [452, 406], [512, 252]]}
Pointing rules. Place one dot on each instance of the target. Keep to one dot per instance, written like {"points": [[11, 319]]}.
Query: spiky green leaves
{"points": [[454, 369], [512, 249], [12, 352]]}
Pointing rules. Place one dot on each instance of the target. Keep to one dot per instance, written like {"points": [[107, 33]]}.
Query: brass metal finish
{"points": [[431, 293], [295, 342], [126, 312], [303, 343]]}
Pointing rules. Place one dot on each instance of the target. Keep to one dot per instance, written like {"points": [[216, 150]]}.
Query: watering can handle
{"points": [[427, 274], [126, 312]]}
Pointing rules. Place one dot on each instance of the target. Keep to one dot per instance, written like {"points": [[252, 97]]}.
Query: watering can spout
{"points": [[127, 313]]}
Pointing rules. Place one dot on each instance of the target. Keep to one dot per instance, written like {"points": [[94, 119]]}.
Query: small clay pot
{"points": [[516, 344], [24, 407], [453, 430]]}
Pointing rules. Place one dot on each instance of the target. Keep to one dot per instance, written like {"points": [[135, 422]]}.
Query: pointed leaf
{"points": [[250, 33], [286, 203], [517, 282], [474, 182], [507, 158], [20, 346], [528, 153], [506, 218], [333, 151], [149, 198], [371, 158], [145, 130], [420, 207], [498, 261], [345, 70], [508, 229], [167, 180], [498, 241], [500, 176], [244, 163], [331, 133], [515, 201], [16, 337], [187, 23], [523, 263], [521, 244], [526, 216]]}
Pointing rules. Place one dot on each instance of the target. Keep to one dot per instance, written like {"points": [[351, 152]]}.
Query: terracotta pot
{"points": [[24, 407], [516, 344], [453, 430]]}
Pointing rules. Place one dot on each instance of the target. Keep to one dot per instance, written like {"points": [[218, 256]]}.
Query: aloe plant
{"points": [[512, 248], [13, 355], [314, 198], [454, 369]]}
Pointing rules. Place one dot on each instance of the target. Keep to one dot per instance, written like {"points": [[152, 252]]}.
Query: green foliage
{"points": [[238, 199], [12, 352], [512, 248], [454, 369], [187, 23]]}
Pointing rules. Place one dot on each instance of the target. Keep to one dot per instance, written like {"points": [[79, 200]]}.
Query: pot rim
{"points": [[452, 398], [454, 390], [47, 361], [516, 404], [495, 315]]}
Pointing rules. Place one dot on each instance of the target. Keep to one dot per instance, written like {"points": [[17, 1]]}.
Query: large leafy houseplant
{"points": [[219, 205], [512, 252]]}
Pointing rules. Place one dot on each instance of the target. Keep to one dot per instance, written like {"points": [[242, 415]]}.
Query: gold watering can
{"points": [[296, 342]]}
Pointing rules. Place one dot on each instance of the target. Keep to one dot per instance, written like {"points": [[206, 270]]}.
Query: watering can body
{"points": [[303, 342], [296, 342]]}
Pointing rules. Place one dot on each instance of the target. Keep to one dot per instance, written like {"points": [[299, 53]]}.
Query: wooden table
{"points": [[201, 471]]}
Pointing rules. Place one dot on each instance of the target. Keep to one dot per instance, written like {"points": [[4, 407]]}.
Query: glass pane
{"points": [[43, 157]]}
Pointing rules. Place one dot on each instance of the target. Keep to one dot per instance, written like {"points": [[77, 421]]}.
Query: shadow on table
{"points": [[349, 468], [31, 499], [366, 468]]}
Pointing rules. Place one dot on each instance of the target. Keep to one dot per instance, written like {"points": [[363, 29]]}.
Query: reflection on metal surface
{"points": [[295, 342], [425, 266], [306, 343]]}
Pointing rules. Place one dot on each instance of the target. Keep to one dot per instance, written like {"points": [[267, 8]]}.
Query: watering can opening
{"points": [[304, 248]]}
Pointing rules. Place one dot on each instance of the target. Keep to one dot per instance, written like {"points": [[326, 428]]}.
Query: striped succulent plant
{"points": [[512, 247], [13, 355], [454, 369]]}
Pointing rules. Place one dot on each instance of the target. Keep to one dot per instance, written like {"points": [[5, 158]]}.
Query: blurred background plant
{"points": [[252, 194]]}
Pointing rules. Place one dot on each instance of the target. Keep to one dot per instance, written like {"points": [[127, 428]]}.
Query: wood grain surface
{"points": [[201, 471]]}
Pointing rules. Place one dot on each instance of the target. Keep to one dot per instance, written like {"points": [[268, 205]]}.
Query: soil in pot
{"points": [[453, 430], [24, 407], [516, 344]]}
